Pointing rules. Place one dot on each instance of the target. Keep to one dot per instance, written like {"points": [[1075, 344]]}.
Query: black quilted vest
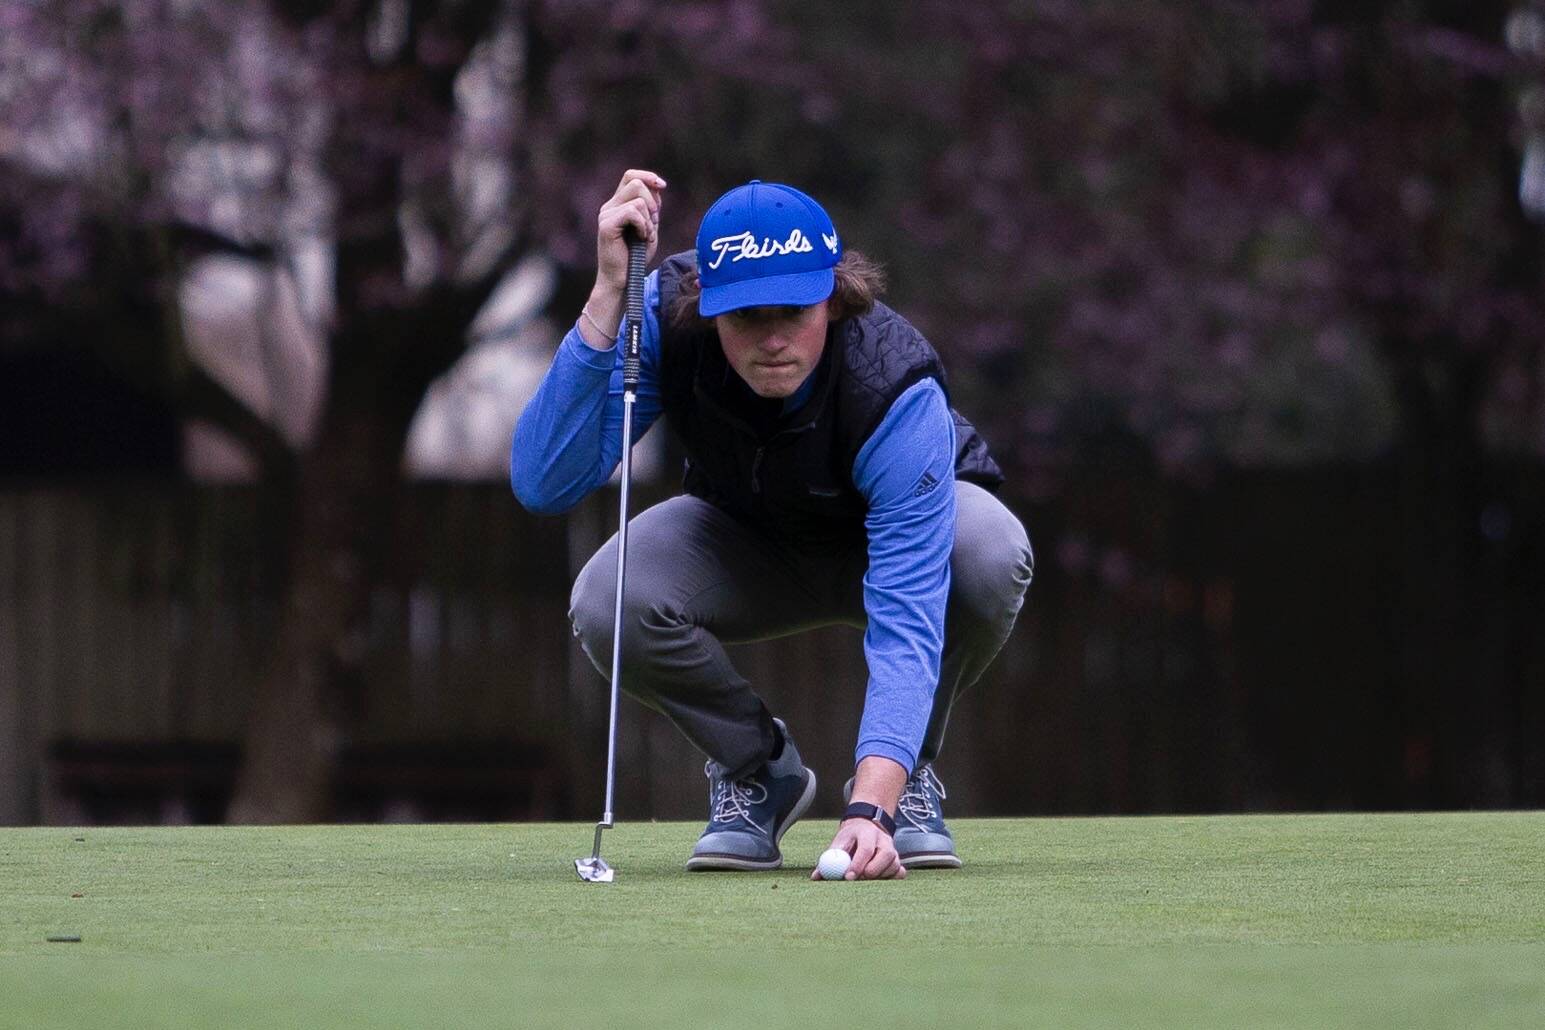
{"points": [[792, 475]]}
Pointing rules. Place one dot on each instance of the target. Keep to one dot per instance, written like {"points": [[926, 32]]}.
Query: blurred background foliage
{"points": [[1170, 242]]}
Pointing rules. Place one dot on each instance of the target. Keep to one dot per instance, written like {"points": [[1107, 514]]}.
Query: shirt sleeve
{"points": [[906, 470], [568, 441]]}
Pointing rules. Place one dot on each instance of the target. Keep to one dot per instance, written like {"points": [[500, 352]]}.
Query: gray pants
{"points": [[698, 579]]}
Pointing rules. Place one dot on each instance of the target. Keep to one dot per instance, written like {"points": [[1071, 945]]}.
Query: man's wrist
{"points": [[607, 298], [600, 316], [873, 813], [879, 781]]}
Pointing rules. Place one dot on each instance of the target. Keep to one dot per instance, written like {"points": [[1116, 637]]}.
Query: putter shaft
{"points": [[596, 870], [622, 568], [599, 871]]}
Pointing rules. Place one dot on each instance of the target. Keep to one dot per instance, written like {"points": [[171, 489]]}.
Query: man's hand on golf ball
{"points": [[873, 851], [877, 781]]}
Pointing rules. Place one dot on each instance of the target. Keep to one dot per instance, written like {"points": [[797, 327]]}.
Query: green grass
{"points": [[1390, 920]]}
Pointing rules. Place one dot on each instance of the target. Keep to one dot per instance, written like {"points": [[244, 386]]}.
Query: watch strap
{"points": [[874, 813]]}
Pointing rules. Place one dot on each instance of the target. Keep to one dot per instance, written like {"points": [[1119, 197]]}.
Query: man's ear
{"points": [[833, 313]]}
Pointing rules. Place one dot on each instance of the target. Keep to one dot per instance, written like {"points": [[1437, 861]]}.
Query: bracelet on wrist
{"points": [[584, 313]]}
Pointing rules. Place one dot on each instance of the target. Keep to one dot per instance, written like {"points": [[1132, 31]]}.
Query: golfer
{"points": [[827, 482]]}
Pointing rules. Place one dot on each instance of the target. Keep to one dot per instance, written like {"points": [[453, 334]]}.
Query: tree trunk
{"points": [[310, 698]]}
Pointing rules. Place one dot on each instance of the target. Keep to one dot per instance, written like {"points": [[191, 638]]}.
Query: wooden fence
{"points": [[143, 614]]}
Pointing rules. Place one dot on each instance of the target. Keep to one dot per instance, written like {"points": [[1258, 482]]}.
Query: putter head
{"points": [[594, 869]]}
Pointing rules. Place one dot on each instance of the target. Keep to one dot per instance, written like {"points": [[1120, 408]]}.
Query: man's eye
{"points": [[759, 316]]}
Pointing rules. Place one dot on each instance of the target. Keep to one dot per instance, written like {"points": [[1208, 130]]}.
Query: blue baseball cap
{"points": [[765, 244]]}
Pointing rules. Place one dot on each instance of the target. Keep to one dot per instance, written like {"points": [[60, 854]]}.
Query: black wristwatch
{"points": [[874, 813]]}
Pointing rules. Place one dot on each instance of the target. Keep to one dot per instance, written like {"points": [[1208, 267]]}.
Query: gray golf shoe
{"points": [[748, 817], [922, 840]]}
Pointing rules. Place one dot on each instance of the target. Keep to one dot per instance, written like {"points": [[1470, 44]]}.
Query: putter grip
{"points": [[632, 341]]}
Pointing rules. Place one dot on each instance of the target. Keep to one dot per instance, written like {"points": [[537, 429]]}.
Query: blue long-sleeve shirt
{"points": [[568, 442]]}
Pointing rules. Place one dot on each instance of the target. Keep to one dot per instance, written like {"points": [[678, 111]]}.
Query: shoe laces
{"points": [[917, 800], [733, 798]]}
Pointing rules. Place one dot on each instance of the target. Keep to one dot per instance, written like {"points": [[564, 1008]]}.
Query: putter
{"points": [[594, 869]]}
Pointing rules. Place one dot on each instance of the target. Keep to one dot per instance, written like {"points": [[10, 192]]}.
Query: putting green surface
{"points": [[1345, 920]]}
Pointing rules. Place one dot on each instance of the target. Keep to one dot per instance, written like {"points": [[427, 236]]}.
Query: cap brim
{"points": [[797, 289]]}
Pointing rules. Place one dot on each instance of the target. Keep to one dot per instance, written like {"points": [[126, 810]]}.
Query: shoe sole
{"points": [[735, 863], [731, 864], [932, 860]]}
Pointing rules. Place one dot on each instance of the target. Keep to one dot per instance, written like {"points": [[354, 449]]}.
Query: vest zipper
{"points": [[756, 470]]}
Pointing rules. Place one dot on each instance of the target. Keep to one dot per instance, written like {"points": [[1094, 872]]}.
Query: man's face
{"points": [[774, 349]]}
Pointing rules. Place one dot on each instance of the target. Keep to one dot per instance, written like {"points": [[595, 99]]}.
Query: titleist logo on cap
{"points": [[744, 247], [757, 247]]}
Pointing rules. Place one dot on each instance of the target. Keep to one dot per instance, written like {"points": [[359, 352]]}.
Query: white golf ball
{"points": [[833, 863]]}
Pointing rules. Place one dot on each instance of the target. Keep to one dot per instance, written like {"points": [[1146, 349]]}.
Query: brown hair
{"points": [[860, 282]]}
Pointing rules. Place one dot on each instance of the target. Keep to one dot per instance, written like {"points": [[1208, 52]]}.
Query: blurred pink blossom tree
{"points": [[420, 149], [1169, 238]]}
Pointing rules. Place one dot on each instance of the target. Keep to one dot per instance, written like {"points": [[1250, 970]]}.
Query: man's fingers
{"points": [[633, 213], [885, 865], [637, 190], [642, 175], [861, 857], [641, 217], [879, 862], [641, 185]]}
